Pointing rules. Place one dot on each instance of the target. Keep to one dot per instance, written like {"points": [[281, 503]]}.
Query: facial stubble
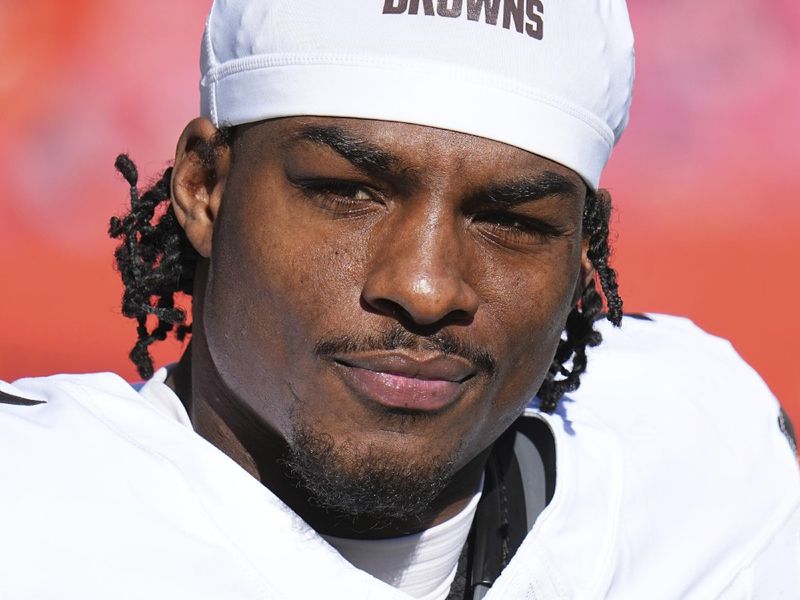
{"points": [[364, 480]]}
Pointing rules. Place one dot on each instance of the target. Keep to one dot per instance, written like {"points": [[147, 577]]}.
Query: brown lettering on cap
{"points": [[526, 15], [491, 7], [449, 11], [427, 6], [394, 7], [516, 9], [535, 9]]}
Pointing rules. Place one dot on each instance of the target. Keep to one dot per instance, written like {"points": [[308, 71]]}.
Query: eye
{"points": [[343, 189], [510, 228], [346, 198]]}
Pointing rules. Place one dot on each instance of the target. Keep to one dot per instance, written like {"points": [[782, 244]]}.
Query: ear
{"points": [[587, 268], [587, 271], [198, 180], [586, 274]]}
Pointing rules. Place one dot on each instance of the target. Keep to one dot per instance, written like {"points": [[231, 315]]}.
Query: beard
{"points": [[363, 481], [378, 484]]}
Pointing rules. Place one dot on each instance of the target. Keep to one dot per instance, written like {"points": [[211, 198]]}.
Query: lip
{"points": [[399, 380]]}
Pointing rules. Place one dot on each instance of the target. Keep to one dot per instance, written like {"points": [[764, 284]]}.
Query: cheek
{"points": [[527, 308], [276, 282]]}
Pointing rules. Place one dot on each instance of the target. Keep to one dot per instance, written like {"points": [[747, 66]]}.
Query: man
{"points": [[389, 220]]}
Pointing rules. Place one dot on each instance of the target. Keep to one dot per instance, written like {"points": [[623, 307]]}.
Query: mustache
{"points": [[398, 338]]}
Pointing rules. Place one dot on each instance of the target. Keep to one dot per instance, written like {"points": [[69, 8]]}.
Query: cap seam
{"points": [[261, 62], [212, 60]]}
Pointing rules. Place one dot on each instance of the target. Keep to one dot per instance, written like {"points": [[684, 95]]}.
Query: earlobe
{"points": [[198, 181]]}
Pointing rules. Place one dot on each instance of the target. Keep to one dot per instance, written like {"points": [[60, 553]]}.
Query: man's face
{"points": [[395, 290]]}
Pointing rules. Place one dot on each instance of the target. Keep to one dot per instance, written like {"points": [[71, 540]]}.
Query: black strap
{"points": [[6, 398], [500, 522], [458, 589], [519, 482]]}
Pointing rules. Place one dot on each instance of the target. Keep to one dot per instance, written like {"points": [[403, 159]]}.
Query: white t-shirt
{"points": [[423, 565], [674, 481]]}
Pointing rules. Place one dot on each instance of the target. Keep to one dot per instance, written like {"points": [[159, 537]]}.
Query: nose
{"points": [[417, 274]]}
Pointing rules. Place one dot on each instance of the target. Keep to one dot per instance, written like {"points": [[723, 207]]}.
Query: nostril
{"points": [[416, 323], [383, 306], [460, 317], [389, 308]]}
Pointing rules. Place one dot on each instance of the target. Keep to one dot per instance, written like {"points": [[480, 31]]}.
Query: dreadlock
{"points": [[155, 259], [569, 362], [157, 264]]}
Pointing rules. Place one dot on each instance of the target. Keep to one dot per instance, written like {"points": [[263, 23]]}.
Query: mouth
{"points": [[404, 381]]}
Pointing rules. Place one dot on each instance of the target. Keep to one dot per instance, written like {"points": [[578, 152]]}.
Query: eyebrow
{"points": [[361, 154], [377, 162], [529, 189]]}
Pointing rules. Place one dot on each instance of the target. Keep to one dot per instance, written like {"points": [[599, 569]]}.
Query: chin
{"points": [[371, 477]]}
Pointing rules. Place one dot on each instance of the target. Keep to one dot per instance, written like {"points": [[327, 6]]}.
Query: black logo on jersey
{"points": [[524, 16], [6, 398], [785, 425]]}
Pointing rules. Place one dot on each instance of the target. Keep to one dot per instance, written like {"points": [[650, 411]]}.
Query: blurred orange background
{"points": [[703, 180]]}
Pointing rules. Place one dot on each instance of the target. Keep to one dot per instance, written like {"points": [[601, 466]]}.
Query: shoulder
{"points": [[666, 369], [702, 452], [69, 422], [99, 487], [41, 390], [69, 400], [655, 346], [63, 400]]}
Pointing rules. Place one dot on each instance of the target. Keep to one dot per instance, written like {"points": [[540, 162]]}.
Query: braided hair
{"points": [[157, 264], [569, 362]]}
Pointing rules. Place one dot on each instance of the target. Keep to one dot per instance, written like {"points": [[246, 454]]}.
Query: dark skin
{"points": [[315, 228]]}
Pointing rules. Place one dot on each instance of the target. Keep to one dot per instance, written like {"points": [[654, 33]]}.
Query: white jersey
{"points": [[674, 481]]}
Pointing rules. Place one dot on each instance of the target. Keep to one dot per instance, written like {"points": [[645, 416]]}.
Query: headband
{"points": [[553, 77]]}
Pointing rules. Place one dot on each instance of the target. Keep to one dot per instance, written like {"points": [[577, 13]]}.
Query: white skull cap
{"points": [[553, 77]]}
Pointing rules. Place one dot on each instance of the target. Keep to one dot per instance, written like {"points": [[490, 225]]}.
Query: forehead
{"points": [[405, 145]]}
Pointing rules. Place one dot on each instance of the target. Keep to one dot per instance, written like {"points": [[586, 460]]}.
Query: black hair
{"points": [[157, 264], [569, 362]]}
